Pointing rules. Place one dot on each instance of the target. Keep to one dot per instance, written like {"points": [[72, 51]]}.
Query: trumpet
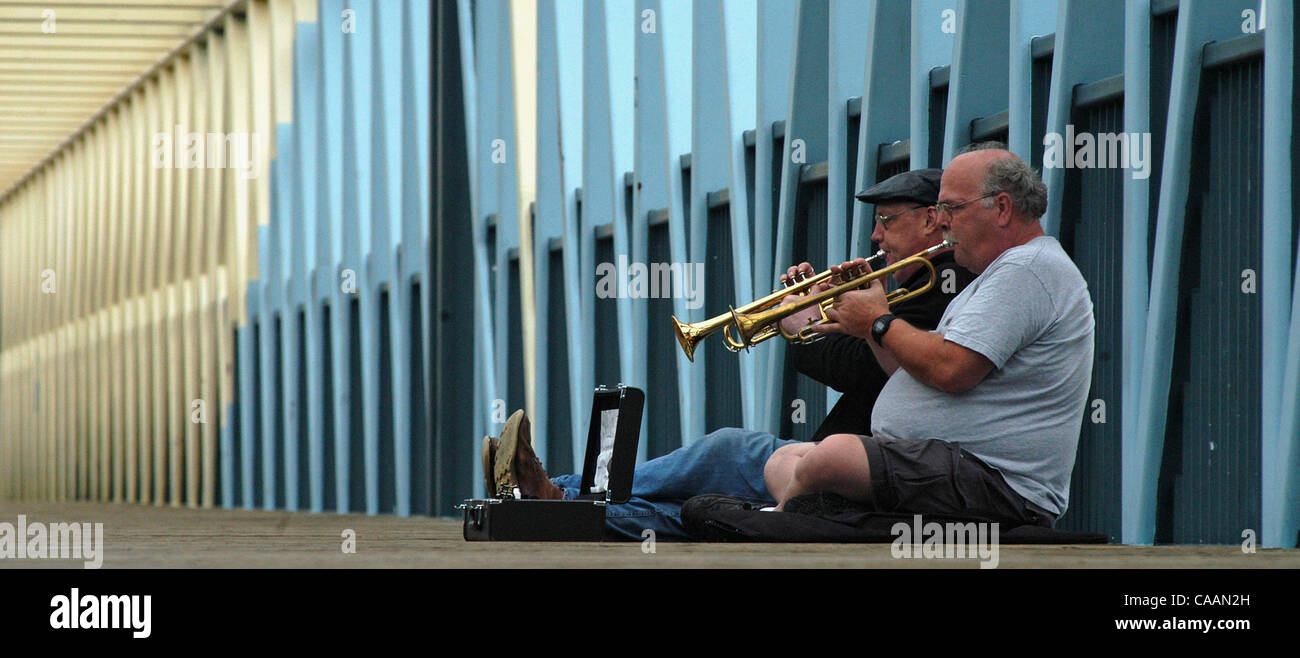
{"points": [[760, 319]]}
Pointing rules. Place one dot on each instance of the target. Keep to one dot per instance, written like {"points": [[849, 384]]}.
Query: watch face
{"points": [[879, 325]]}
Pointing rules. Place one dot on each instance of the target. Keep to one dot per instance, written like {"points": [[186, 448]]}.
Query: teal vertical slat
{"points": [[514, 337], [849, 21], [559, 454], [341, 264], [806, 121], [722, 403], [249, 405], [1030, 19], [1092, 233], [414, 262], [1198, 23], [307, 113], [1281, 315], [810, 240], [231, 456], [394, 182], [1088, 46], [931, 48], [663, 406], [884, 115], [775, 62], [1213, 432], [360, 202], [453, 271], [978, 84], [605, 340], [268, 359]]}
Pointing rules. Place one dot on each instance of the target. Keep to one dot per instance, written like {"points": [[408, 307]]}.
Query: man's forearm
{"points": [[886, 360], [925, 356]]}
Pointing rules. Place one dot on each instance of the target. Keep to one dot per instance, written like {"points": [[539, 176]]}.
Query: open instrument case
{"points": [[607, 470]]}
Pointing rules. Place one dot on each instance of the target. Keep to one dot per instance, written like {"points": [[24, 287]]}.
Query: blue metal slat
{"points": [[1214, 483], [394, 135], [663, 407], [722, 406], [809, 245], [1092, 232]]}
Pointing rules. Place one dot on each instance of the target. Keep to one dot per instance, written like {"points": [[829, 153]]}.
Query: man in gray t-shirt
{"points": [[982, 415]]}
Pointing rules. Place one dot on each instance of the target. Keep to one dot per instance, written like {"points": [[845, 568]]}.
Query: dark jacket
{"points": [[846, 363]]}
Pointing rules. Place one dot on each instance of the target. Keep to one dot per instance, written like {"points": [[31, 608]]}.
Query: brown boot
{"points": [[503, 471], [515, 457]]}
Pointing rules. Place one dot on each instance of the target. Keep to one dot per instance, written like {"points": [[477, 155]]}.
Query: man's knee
{"points": [[837, 460], [723, 439]]}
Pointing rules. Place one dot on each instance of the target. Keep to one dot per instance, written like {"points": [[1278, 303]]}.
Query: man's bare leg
{"points": [[779, 469], [837, 464]]}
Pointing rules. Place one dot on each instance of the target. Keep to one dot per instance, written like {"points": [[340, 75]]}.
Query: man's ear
{"points": [[1006, 213]]}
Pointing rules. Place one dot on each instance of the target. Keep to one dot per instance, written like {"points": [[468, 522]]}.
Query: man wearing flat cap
{"points": [[731, 461], [905, 224]]}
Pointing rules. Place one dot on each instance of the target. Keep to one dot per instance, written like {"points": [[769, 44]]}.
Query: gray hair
{"points": [[983, 146], [1020, 181]]}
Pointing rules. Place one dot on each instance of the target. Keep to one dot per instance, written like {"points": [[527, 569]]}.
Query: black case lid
{"points": [[629, 401]]}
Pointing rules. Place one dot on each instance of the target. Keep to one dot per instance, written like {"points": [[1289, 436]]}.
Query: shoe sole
{"points": [[503, 469]]}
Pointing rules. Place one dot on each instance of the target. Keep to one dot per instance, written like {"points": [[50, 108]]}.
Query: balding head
{"points": [[995, 201]]}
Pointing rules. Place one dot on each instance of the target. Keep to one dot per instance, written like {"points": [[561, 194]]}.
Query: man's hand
{"points": [[854, 311], [798, 321]]}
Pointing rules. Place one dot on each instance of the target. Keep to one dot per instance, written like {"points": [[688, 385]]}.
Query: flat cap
{"points": [[919, 185]]}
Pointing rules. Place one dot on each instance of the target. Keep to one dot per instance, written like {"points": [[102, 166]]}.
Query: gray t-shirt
{"points": [[1029, 313]]}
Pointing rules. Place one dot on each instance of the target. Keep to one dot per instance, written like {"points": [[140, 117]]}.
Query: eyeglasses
{"points": [[886, 219], [945, 208]]}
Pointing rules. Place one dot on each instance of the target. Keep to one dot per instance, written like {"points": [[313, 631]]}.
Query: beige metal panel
{"points": [[163, 13], [202, 354], [107, 274], [65, 400], [282, 33], [136, 168], [169, 325], [218, 383], [262, 102], [89, 77], [124, 31], [190, 220], [127, 142], [59, 4], [141, 57], [27, 40], [23, 65], [241, 258], [88, 283], [166, 177], [141, 324], [154, 348]]}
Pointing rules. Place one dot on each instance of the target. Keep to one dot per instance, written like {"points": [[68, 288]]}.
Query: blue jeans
{"points": [[729, 461]]}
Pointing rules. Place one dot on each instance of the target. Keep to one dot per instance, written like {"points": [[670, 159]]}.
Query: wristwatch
{"points": [[880, 326]]}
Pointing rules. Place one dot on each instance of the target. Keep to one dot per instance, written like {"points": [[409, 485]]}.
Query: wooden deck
{"points": [[138, 536]]}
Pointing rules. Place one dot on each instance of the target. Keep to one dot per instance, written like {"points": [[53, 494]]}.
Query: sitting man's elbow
{"points": [[955, 381]]}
